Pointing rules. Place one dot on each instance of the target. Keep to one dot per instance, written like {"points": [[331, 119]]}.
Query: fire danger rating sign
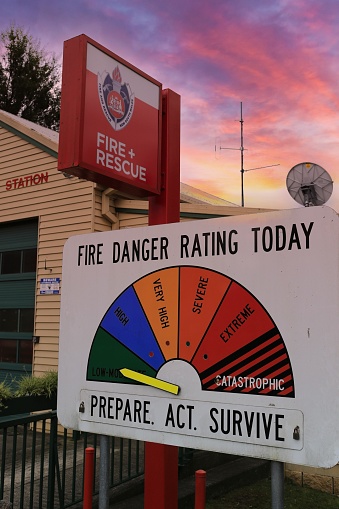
{"points": [[218, 334]]}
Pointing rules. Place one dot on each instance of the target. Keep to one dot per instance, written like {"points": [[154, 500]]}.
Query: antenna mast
{"points": [[242, 170], [242, 156]]}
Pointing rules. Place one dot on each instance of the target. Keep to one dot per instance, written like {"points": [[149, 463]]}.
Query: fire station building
{"points": [[40, 208]]}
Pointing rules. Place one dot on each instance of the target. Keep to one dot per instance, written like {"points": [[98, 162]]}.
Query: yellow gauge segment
{"points": [[148, 380]]}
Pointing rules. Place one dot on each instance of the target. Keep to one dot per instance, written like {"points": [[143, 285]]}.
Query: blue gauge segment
{"points": [[125, 320]]}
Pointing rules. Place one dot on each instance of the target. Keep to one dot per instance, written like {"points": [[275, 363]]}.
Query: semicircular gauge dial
{"points": [[197, 315]]}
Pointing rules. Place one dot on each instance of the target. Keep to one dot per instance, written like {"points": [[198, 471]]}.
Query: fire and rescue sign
{"points": [[218, 334], [110, 119]]}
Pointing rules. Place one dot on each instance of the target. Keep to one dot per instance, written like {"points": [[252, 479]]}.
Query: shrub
{"points": [[44, 385], [5, 393]]}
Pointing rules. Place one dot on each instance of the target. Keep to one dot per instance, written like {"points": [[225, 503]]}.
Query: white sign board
{"points": [[219, 334]]}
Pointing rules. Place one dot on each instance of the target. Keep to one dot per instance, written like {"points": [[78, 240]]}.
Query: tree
{"points": [[29, 79]]}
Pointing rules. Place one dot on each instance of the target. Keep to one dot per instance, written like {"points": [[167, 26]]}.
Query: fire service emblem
{"points": [[116, 99]]}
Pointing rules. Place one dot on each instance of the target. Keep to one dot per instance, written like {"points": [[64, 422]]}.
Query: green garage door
{"points": [[18, 255]]}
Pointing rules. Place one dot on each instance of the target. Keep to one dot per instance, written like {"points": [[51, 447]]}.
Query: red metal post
{"points": [[88, 478], [161, 461], [165, 208], [200, 489]]}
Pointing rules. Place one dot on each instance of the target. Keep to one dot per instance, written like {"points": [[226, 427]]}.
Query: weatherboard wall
{"points": [[63, 206]]}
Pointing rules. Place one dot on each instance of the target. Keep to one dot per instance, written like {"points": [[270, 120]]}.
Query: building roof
{"points": [[49, 139], [43, 131], [42, 137], [189, 194]]}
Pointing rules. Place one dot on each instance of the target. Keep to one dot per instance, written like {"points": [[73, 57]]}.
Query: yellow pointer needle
{"points": [[148, 380]]}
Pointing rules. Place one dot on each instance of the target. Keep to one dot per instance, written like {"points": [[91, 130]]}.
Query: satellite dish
{"points": [[309, 184]]}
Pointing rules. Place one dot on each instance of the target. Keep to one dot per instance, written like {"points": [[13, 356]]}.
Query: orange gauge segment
{"points": [[158, 295], [201, 291]]}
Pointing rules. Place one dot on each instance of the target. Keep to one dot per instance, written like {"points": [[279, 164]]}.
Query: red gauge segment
{"points": [[201, 291], [239, 320]]}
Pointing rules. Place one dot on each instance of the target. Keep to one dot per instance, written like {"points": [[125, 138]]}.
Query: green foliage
{"points": [[5, 393], [44, 385], [29, 79]]}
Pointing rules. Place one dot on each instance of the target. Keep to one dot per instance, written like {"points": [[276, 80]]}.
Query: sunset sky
{"points": [[280, 58]]}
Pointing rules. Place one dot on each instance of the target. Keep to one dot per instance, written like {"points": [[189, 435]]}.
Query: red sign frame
{"points": [[110, 121]]}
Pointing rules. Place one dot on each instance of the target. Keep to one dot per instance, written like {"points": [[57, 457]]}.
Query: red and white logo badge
{"points": [[116, 99]]}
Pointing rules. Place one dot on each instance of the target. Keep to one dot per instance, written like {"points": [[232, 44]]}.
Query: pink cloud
{"points": [[278, 58]]}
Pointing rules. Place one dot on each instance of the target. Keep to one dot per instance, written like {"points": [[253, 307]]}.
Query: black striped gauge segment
{"points": [[197, 315]]}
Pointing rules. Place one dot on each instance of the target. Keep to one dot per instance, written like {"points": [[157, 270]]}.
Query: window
{"points": [[18, 349], [8, 350], [12, 350], [25, 351], [9, 320], [29, 260], [18, 262], [26, 320], [16, 320]]}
